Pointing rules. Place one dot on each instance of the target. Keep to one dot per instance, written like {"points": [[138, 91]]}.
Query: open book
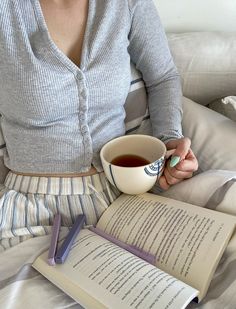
{"points": [[187, 242]]}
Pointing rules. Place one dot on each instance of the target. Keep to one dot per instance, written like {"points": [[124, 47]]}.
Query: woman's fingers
{"points": [[181, 147], [181, 165], [174, 176], [167, 179], [163, 183], [189, 164], [183, 170]]}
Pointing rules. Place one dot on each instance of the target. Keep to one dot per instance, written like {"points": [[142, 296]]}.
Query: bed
{"points": [[202, 39]]}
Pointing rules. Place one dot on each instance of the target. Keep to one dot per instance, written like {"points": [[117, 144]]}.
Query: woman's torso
{"points": [[57, 112]]}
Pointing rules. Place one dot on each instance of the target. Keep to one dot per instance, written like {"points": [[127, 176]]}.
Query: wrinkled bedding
{"points": [[23, 287]]}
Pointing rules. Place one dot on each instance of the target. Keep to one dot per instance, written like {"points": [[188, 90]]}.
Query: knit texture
{"points": [[56, 116]]}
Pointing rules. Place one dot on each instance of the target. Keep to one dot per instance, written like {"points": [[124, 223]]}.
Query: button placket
{"points": [[82, 115], [84, 129]]}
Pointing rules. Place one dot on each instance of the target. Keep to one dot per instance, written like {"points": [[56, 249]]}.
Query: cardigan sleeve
{"points": [[149, 51]]}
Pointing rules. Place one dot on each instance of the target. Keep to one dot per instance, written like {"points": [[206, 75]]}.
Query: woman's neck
{"points": [[66, 22]]}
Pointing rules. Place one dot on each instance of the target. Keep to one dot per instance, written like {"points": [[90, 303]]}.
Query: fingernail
{"points": [[174, 160]]}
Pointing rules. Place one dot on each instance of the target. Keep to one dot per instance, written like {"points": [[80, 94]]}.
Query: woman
{"points": [[64, 78]]}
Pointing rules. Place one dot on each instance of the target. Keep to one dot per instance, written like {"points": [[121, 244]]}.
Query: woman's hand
{"points": [[181, 165]]}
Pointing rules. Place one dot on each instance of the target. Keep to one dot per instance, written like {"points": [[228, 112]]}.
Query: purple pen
{"points": [[132, 249], [54, 239], [63, 251]]}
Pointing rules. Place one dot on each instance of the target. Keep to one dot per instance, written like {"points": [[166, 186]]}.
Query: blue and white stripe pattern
{"points": [[29, 204]]}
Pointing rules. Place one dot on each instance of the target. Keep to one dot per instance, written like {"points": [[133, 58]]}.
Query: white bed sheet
{"points": [[23, 287]]}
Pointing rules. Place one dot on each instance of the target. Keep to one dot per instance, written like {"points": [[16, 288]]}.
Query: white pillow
{"points": [[226, 107], [212, 135], [206, 62]]}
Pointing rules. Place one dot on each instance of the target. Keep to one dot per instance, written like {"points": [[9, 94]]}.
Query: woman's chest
{"points": [[66, 23], [38, 80]]}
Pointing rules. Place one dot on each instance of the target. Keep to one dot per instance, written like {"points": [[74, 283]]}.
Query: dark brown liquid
{"points": [[130, 161]]}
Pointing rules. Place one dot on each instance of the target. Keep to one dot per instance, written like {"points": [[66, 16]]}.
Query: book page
{"points": [[99, 274], [187, 241]]}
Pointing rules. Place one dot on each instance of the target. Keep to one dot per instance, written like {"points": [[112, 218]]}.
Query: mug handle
{"points": [[169, 153]]}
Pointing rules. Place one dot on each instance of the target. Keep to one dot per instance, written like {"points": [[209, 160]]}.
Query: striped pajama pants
{"points": [[28, 204]]}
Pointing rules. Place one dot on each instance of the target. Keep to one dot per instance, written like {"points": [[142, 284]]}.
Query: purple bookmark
{"points": [[63, 251], [54, 239], [132, 249]]}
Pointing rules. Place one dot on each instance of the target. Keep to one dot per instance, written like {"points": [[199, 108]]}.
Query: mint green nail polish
{"points": [[174, 160]]}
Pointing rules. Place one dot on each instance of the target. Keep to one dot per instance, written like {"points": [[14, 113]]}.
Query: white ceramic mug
{"points": [[134, 180]]}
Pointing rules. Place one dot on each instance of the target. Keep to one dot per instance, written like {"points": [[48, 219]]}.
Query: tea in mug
{"points": [[129, 160]]}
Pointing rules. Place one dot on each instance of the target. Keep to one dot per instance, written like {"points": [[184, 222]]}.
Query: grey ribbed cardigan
{"points": [[56, 116]]}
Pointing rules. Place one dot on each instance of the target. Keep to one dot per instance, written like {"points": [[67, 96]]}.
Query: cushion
{"points": [[212, 135], [136, 108], [226, 107], [206, 62]]}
